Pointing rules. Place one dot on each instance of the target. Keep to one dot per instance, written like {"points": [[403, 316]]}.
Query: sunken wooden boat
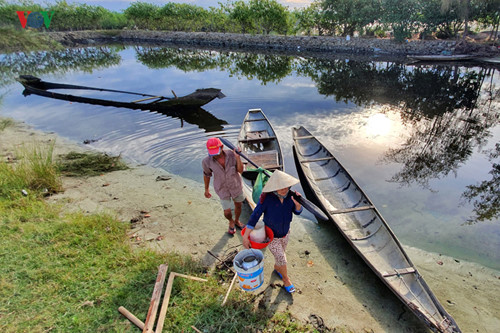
{"points": [[258, 141], [365, 229], [198, 98]]}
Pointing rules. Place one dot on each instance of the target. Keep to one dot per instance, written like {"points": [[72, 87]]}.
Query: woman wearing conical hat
{"points": [[277, 205]]}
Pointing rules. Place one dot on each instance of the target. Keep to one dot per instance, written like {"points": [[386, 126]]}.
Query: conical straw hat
{"points": [[279, 180]]}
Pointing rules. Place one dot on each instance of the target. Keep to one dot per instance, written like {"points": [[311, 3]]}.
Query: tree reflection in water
{"points": [[444, 106], [47, 62], [486, 195], [441, 142], [265, 68], [440, 145]]}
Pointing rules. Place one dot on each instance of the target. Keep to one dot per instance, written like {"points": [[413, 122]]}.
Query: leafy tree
{"points": [[446, 23], [113, 20], [489, 14], [240, 12], [403, 15], [463, 10], [259, 16], [8, 14], [66, 16], [185, 17], [347, 16], [218, 20], [83, 16], [143, 15], [269, 16], [308, 19]]}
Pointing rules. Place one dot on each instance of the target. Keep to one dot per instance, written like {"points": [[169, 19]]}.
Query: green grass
{"points": [[5, 122], [34, 172], [76, 164], [14, 40], [69, 272]]}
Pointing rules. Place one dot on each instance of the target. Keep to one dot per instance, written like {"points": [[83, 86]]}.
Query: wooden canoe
{"points": [[34, 85], [258, 141], [442, 57], [184, 108], [365, 229]]}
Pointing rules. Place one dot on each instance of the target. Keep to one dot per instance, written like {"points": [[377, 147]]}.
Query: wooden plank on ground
{"points": [[155, 299]]}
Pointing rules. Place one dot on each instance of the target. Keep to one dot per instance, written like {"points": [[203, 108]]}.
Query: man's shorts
{"points": [[227, 203]]}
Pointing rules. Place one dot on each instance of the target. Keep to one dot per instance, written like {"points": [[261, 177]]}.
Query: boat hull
{"points": [[348, 207], [198, 98], [457, 57], [258, 141], [186, 108]]}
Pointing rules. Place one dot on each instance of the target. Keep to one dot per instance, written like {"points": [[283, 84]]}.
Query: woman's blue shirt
{"points": [[277, 215]]}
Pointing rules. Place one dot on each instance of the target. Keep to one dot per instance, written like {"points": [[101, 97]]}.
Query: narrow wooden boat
{"points": [[34, 85], [491, 60], [441, 57], [258, 141], [365, 229]]}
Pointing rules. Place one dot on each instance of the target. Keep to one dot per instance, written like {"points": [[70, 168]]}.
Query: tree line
{"points": [[400, 19]]}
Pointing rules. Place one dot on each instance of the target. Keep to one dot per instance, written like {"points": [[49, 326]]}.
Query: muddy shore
{"points": [[335, 288]]}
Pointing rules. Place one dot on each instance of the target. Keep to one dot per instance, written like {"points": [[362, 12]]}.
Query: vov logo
{"points": [[35, 19]]}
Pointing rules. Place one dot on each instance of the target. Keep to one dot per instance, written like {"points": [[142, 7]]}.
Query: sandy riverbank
{"points": [[334, 286]]}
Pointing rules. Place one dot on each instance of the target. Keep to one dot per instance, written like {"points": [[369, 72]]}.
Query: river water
{"points": [[422, 140]]}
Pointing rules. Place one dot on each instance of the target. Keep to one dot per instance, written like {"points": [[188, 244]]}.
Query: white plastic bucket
{"points": [[252, 277]]}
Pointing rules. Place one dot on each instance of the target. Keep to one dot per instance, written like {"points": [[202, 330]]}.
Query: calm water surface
{"points": [[421, 140]]}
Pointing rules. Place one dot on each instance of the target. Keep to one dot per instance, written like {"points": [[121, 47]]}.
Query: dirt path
{"points": [[335, 288]]}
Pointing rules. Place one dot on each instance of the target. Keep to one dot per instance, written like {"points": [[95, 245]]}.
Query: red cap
{"points": [[214, 146]]}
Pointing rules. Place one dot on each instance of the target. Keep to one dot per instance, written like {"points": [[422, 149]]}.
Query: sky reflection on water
{"points": [[352, 121]]}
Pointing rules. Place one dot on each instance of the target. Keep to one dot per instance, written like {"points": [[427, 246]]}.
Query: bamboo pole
{"points": [[146, 99], [191, 277], [155, 299], [136, 321], [230, 287]]}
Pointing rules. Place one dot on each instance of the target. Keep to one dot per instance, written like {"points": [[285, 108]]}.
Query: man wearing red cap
{"points": [[226, 167]]}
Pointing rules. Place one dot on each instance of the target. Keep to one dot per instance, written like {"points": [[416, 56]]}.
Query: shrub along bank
{"points": [[400, 19]]}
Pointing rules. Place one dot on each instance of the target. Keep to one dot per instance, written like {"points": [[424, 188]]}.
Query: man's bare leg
{"points": [[229, 216], [237, 213]]}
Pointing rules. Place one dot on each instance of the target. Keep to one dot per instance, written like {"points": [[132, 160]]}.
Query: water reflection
{"points": [[265, 68], [440, 105], [439, 146], [422, 91], [45, 62], [485, 196], [378, 125], [185, 60], [418, 138]]}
